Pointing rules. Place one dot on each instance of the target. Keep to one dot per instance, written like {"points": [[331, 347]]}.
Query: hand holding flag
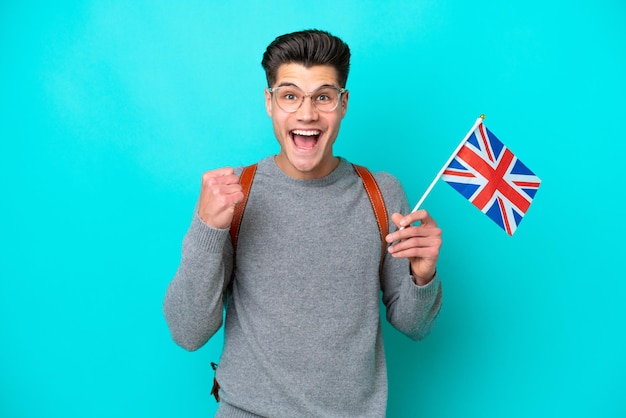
{"points": [[419, 243]]}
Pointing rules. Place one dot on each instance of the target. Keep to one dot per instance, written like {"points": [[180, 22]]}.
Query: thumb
{"points": [[396, 218]]}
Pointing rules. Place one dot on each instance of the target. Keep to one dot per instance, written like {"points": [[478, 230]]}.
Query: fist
{"points": [[219, 195]]}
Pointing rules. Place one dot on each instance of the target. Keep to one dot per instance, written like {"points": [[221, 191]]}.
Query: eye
{"points": [[325, 95], [290, 96]]}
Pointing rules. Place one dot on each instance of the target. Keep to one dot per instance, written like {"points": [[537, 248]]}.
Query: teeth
{"points": [[305, 133]]}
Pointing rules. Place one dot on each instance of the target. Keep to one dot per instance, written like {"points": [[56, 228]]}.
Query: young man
{"points": [[301, 289]]}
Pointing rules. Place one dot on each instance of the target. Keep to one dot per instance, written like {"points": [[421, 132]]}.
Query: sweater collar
{"points": [[343, 169]]}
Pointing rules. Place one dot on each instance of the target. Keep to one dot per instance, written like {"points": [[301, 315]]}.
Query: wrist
{"points": [[423, 279]]}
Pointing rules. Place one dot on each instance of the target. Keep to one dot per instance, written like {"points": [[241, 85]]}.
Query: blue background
{"points": [[110, 111]]}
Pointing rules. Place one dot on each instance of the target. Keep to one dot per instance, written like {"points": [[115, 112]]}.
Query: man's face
{"points": [[306, 136]]}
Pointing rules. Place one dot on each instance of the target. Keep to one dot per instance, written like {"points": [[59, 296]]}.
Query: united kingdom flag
{"points": [[490, 176]]}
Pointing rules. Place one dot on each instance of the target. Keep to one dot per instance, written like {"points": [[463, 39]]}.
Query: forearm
{"points": [[193, 302]]}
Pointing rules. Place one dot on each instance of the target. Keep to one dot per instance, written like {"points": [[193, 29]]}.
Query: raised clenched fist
{"points": [[219, 195]]}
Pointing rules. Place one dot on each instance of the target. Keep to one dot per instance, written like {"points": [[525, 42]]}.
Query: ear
{"points": [[344, 103], [268, 102]]}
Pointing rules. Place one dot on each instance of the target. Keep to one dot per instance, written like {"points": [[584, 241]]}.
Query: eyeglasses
{"points": [[290, 98]]}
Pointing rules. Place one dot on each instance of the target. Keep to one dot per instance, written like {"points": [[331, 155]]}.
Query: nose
{"points": [[307, 110]]}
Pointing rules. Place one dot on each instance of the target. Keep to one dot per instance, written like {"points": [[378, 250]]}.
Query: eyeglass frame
{"points": [[339, 90]]}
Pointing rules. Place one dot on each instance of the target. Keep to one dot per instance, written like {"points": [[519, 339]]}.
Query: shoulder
{"points": [[259, 165], [264, 165], [386, 182], [392, 191]]}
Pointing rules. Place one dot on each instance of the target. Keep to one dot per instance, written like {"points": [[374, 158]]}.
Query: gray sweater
{"points": [[303, 332]]}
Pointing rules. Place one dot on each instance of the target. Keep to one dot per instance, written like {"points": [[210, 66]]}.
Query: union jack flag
{"points": [[490, 176]]}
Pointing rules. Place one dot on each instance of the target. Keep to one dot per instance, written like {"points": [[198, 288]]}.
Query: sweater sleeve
{"points": [[193, 303], [410, 308]]}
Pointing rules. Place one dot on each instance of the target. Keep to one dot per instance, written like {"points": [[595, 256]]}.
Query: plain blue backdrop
{"points": [[110, 111]]}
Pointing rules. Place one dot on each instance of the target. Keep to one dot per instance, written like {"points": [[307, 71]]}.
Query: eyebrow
{"points": [[289, 84]]}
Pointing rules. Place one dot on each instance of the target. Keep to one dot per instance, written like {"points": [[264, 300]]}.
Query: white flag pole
{"points": [[419, 203]]}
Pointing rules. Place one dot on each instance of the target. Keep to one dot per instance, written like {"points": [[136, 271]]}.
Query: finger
{"points": [[213, 178], [417, 232], [233, 191], [419, 215], [225, 171], [404, 234], [423, 247], [425, 253], [230, 180], [396, 218], [211, 181]]}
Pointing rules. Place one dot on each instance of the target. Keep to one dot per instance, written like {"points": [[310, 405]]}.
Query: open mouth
{"points": [[305, 138]]}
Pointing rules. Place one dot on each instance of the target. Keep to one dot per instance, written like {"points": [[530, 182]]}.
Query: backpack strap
{"points": [[378, 204], [245, 179], [215, 390], [369, 182]]}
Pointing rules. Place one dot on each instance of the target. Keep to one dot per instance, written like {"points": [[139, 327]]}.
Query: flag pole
{"points": [[419, 203]]}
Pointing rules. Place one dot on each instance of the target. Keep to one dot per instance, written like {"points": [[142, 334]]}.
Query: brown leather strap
{"points": [[378, 204], [245, 179], [215, 390]]}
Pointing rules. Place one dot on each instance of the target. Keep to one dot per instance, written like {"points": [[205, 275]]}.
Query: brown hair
{"points": [[309, 48]]}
